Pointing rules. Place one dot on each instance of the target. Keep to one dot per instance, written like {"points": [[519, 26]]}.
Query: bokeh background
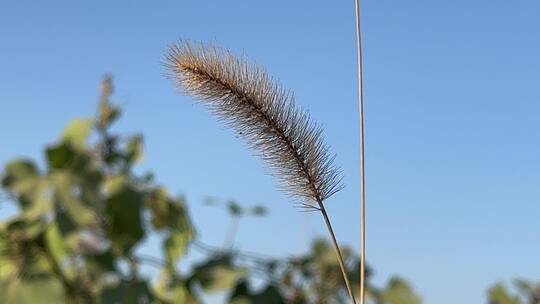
{"points": [[452, 120]]}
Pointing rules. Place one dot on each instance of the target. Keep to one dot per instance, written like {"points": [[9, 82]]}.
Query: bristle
{"points": [[264, 113]]}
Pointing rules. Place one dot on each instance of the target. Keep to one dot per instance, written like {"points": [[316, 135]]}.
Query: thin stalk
{"points": [[338, 252], [362, 154], [230, 237]]}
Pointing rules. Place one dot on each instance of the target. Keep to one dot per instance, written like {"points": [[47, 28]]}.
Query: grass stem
{"points": [[362, 154], [338, 252]]}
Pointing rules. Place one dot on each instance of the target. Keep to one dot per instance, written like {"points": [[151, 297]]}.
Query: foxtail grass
{"points": [[265, 114]]}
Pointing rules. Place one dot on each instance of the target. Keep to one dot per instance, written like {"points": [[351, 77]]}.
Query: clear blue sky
{"points": [[452, 92]]}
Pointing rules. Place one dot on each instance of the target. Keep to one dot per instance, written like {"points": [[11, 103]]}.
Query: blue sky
{"points": [[452, 93]]}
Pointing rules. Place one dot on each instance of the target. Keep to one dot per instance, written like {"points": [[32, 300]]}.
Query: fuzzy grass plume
{"points": [[265, 114]]}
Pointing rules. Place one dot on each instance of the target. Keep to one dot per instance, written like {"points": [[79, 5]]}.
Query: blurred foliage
{"points": [[85, 211], [523, 292]]}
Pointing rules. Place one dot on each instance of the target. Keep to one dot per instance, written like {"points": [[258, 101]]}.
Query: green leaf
{"points": [[115, 184], [21, 178], [66, 194], [60, 156], [170, 215], [77, 132], [158, 203], [125, 227], [135, 149], [39, 290], [8, 266], [40, 203], [176, 294], [65, 223], [176, 246], [102, 263], [178, 218], [258, 211], [55, 243], [66, 156], [128, 292], [171, 290], [218, 274], [242, 295], [235, 209], [270, 295], [22, 249], [108, 115], [22, 228], [17, 171]]}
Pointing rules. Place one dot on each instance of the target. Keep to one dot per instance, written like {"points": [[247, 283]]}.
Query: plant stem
{"points": [[228, 244], [338, 251], [362, 154]]}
